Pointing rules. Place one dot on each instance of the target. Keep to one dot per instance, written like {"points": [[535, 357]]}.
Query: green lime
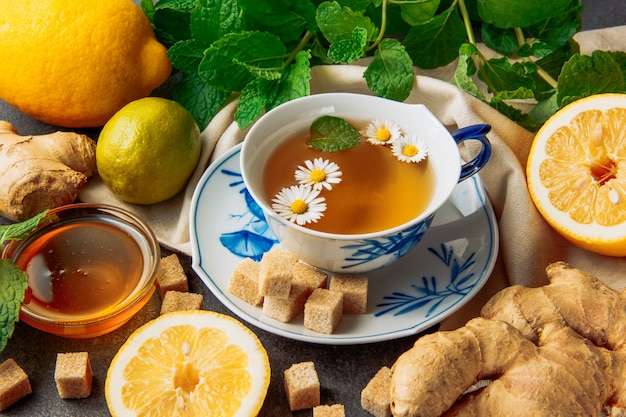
{"points": [[148, 150]]}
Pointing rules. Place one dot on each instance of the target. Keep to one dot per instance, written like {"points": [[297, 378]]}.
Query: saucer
{"points": [[440, 275]]}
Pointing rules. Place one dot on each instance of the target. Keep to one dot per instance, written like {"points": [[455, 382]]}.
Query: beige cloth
{"points": [[527, 243]]}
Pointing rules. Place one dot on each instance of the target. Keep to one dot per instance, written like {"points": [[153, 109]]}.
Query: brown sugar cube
{"points": [[302, 386], [323, 310], [375, 397], [179, 301], [354, 289], [171, 276], [14, 383], [335, 410], [307, 275], [244, 282], [287, 310], [73, 375], [275, 273]]}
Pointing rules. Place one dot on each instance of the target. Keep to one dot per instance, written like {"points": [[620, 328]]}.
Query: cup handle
{"points": [[475, 132]]}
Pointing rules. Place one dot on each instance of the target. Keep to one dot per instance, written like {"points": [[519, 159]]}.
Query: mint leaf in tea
{"points": [[333, 134]]}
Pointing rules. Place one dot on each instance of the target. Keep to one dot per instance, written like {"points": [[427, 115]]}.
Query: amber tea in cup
{"points": [[376, 192]]}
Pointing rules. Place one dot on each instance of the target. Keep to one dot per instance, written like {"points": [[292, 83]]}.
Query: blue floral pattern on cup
{"points": [[256, 238], [398, 245]]}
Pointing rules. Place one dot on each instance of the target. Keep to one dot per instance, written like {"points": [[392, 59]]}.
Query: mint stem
{"points": [[470, 37], [301, 45], [383, 26]]}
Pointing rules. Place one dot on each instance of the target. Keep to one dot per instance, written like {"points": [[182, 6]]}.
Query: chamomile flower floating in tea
{"points": [[300, 204], [321, 173], [382, 132], [409, 148]]}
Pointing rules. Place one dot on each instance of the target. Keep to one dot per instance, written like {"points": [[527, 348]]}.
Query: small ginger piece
{"points": [[42, 172]]}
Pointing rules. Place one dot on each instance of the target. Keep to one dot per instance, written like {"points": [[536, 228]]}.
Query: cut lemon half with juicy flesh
{"points": [[189, 363], [576, 173]]}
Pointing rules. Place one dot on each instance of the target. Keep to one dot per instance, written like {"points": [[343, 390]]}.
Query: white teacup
{"points": [[357, 253]]}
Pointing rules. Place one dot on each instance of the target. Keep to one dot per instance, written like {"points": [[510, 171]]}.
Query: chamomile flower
{"points": [[299, 204], [409, 148], [382, 132], [321, 173]]}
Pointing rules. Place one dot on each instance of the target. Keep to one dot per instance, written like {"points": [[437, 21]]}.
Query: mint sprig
{"points": [[13, 281], [262, 51]]}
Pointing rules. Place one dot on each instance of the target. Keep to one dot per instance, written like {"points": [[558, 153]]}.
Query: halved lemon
{"points": [[576, 173], [189, 363]]}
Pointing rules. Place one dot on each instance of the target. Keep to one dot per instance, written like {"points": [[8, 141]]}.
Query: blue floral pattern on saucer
{"points": [[444, 271]]}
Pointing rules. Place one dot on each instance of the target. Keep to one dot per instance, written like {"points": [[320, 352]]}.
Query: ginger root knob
{"points": [[42, 172]]}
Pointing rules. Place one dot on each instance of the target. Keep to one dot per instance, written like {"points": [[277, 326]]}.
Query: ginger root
{"points": [[42, 172], [556, 350]]}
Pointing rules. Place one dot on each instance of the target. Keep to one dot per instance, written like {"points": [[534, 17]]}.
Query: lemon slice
{"points": [[576, 173], [189, 363]]}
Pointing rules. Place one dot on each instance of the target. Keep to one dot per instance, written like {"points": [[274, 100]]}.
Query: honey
{"points": [[376, 192], [81, 269]]}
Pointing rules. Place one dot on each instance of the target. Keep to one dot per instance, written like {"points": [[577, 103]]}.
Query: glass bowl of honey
{"points": [[90, 268]]}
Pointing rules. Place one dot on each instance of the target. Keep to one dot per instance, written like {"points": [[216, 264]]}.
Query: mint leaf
{"points": [[287, 19], [295, 83], [437, 42], [390, 74], [262, 94], [148, 8], [417, 13], [505, 76], [171, 22], [338, 23], [516, 13], [228, 62], [558, 30], [348, 50], [333, 134], [212, 19], [585, 75], [202, 100], [179, 5], [13, 281], [186, 55], [253, 100], [18, 231], [464, 71], [541, 113], [13, 284], [498, 39]]}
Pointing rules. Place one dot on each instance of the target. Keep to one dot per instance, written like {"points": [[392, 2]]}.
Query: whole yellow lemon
{"points": [[75, 63], [148, 150]]}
